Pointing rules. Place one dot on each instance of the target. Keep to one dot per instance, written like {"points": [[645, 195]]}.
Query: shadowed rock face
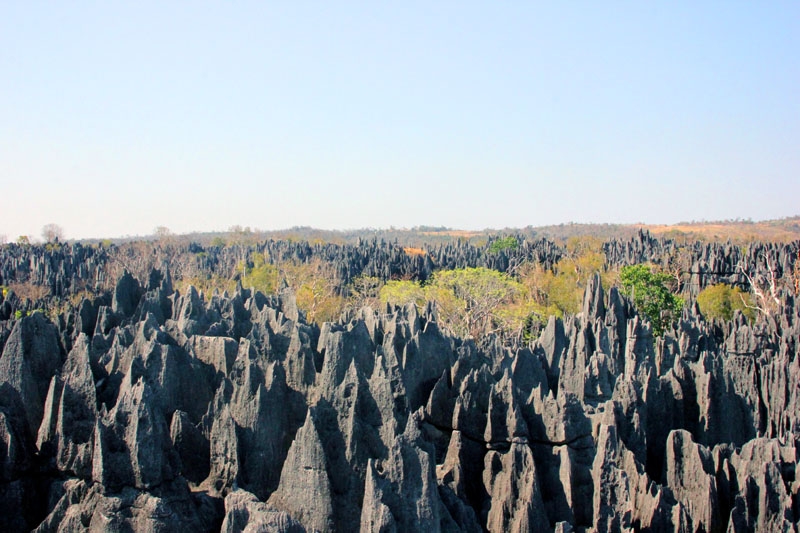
{"points": [[172, 411]]}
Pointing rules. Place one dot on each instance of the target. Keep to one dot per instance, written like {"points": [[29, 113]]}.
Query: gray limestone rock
{"points": [[126, 295], [224, 462], [68, 427], [380, 421], [192, 447], [515, 499], [244, 513], [30, 358], [691, 476], [304, 491], [132, 447]]}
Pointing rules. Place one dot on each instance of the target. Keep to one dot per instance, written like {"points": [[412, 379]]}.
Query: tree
{"points": [[559, 290], [470, 298], [261, 276], [764, 288], [402, 292], [162, 232], [365, 291], [23, 240], [316, 288], [721, 300], [678, 263], [650, 295], [469, 301], [52, 233], [504, 243]]}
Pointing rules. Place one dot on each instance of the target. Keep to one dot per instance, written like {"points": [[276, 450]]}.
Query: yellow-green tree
{"points": [[261, 276], [402, 292], [721, 300], [469, 301], [365, 291], [315, 286], [560, 291]]}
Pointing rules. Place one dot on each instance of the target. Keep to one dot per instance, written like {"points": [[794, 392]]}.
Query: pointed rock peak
{"points": [[351, 377], [47, 429], [166, 282], [412, 316], [412, 432], [79, 356], [431, 328], [275, 376], [134, 375], [192, 295], [304, 490], [375, 514], [504, 421], [288, 303], [126, 295], [155, 279], [431, 312], [324, 336], [553, 335], [149, 328], [77, 371], [440, 405], [593, 306]]}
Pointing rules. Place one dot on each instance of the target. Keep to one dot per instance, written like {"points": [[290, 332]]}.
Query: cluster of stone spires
{"points": [[70, 268], [154, 410]]}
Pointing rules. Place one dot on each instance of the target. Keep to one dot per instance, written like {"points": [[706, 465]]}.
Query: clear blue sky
{"points": [[116, 117]]}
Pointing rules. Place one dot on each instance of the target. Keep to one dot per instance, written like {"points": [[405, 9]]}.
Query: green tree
{"points": [[650, 295], [504, 243], [721, 300]]}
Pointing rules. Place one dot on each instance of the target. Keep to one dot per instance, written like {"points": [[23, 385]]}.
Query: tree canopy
{"points": [[651, 296], [721, 300], [52, 233]]}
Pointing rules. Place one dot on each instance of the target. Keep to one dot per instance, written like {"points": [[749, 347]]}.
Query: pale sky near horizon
{"points": [[117, 117]]}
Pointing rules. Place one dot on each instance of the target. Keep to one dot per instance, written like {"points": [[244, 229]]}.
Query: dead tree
{"points": [[764, 289]]}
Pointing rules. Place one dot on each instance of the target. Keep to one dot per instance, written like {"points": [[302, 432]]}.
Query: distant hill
{"points": [[781, 230], [737, 231]]}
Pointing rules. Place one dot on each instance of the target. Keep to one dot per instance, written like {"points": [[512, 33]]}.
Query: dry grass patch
{"points": [[414, 251]]}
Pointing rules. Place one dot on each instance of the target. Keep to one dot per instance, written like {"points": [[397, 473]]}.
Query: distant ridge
{"points": [[738, 231]]}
